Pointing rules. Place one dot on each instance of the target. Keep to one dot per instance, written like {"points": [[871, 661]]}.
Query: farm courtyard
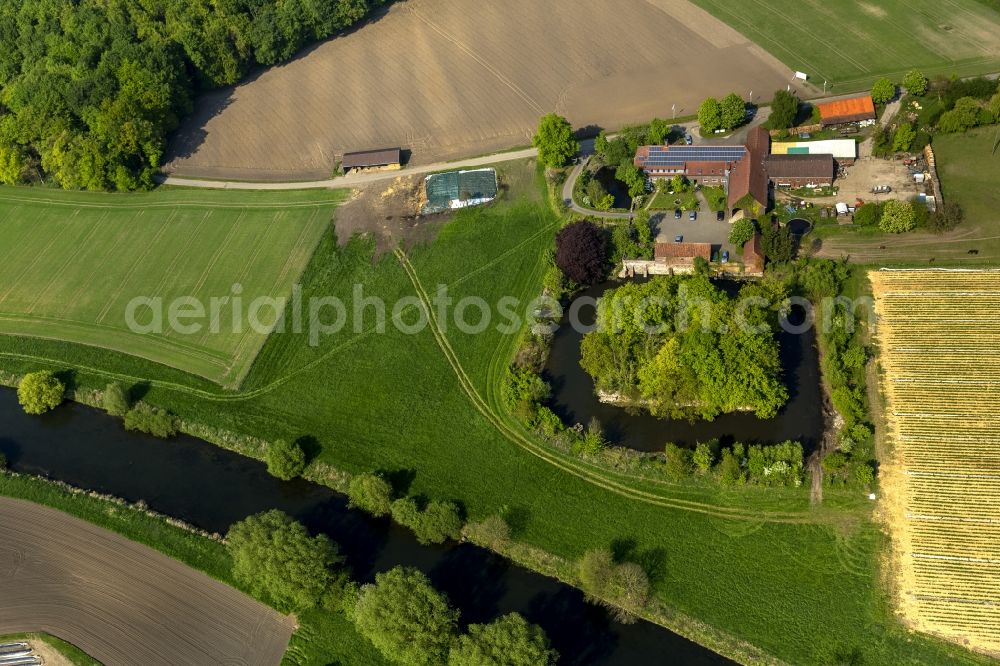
{"points": [[434, 77], [71, 263]]}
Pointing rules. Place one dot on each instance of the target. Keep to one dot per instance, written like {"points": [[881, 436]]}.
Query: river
{"points": [[574, 400], [212, 488]]}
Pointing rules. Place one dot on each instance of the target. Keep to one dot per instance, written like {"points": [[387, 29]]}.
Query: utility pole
{"points": [[673, 109], [824, 87]]}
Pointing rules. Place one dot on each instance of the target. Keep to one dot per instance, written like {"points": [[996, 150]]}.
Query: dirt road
{"points": [[122, 602]]}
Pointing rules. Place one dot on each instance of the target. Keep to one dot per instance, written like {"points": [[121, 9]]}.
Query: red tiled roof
{"points": [[847, 110], [749, 175], [683, 251]]}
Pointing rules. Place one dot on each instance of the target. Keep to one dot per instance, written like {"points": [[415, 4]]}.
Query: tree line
{"points": [[90, 90]]}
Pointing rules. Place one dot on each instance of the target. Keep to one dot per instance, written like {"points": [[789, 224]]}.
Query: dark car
{"points": [[720, 216], [677, 213], [693, 215], [678, 239]]}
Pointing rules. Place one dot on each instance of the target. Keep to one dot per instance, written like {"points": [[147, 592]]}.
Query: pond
{"points": [[212, 488], [574, 401], [606, 177]]}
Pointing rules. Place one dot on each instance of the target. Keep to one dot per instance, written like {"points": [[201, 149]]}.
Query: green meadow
{"points": [[759, 565], [850, 43], [70, 264]]}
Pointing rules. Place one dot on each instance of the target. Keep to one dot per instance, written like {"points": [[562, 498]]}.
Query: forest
{"points": [[90, 90], [683, 348]]}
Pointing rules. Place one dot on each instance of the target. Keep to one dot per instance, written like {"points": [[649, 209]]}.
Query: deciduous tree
{"points": [[897, 217], [507, 641], [285, 460], [915, 82], [883, 90], [784, 108], [554, 141], [733, 111], [710, 115], [39, 392], [405, 618], [275, 557], [371, 493], [582, 252]]}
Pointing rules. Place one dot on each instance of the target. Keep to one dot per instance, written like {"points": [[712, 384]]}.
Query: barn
{"points": [[383, 159], [847, 111]]}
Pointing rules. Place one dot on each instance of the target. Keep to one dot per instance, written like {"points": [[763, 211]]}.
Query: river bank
{"points": [[211, 488]]}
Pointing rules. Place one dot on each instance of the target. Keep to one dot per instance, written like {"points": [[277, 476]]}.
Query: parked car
{"points": [[678, 239], [725, 256], [677, 213], [720, 216], [688, 139], [693, 215]]}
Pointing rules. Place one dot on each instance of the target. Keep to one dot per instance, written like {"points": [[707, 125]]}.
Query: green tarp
{"points": [[457, 189]]}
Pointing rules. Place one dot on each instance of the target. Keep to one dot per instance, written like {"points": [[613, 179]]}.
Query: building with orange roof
{"points": [[844, 111]]}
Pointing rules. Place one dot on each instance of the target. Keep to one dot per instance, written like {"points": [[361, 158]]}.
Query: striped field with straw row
{"points": [[939, 336]]}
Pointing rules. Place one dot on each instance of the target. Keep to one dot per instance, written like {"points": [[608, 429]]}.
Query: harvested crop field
{"points": [[446, 81], [121, 602], [940, 356], [71, 264]]}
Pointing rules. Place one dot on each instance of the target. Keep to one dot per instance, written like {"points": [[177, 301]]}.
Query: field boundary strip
{"points": [[940, 485]]}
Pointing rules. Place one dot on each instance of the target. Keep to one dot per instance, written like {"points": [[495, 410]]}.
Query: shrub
{"points": [[834, 462], [742, 231], [115, 400], [703, 457], [285, 460], [507, 641], [275, 557], [678, 462], [370, 493], [405, 618], [439, 522], [883, 90], [947, 216], [864, 474], [525, 386], [625, 586], [730, 469], [904, 136], [897, 217], [582, 252], [493, 532], [867, 215], [151, 420], [39, 392]]}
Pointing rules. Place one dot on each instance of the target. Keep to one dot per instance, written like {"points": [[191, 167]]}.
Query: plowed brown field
{"points": [[940, 354], [121, 602], [449, 79]]}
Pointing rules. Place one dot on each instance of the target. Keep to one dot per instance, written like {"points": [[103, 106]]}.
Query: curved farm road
{"points": [[121, 602]]}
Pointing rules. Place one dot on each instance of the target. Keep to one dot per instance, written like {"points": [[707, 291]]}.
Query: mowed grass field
{"points": [[849, 43], [939, 338], [70, 264], [762, 566]]}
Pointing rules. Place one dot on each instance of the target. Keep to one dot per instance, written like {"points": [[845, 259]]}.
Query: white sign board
{"points": [[802, 75]]}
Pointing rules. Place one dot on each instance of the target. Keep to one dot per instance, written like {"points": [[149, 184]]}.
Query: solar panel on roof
{"points": [[678, 155]]}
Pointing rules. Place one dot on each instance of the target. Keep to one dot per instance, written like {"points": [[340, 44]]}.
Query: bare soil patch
{"points": [[445, 81], [121, 602]]}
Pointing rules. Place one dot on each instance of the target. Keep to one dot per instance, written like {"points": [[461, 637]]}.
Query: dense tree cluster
{"points": [[727, 114], [683, 348], [89, 90], [737, 465], [144, 417]]}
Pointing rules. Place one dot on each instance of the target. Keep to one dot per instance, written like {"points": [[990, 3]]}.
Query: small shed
{"points": [[382, 159]]}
